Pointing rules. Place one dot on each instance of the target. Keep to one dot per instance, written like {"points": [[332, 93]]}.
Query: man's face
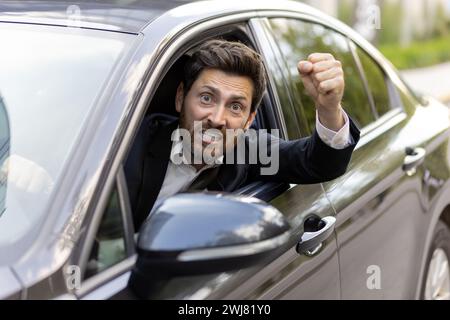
{"points": [[218, 100]]}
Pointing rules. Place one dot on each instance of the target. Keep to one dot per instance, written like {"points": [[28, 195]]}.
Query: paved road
{"points": [[434, 80]]}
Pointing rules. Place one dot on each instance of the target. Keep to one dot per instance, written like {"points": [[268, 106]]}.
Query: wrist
{"points": [[332, 119]]}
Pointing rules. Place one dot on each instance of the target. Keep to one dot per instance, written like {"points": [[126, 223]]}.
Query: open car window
{"points": [[163, 103]]}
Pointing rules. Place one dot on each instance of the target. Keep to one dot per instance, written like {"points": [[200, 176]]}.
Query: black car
{"points": [[77, 81]]}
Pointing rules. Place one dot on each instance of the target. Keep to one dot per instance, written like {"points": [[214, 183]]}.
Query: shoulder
{"points": [[157, 121]]}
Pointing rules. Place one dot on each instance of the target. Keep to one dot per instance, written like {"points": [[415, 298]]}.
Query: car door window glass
{"points": [[297, 40], [376, 81], [109, 244]]}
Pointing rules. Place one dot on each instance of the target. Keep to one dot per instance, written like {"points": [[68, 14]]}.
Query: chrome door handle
{"points": [[311, 242], [414, 158]]}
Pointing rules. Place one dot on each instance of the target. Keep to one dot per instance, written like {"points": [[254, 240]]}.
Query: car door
{"points": [[383, 226], [293, 275], [379, 206]]}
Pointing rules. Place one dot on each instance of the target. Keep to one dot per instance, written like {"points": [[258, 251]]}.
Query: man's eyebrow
{"points": [[215, 91]]}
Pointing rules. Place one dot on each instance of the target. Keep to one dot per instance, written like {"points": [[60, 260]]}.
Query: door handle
{"points": [[311, 242], [414, 158]]}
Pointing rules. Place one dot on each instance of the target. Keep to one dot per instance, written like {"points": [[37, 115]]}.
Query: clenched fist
{"points": [[323, 78]]}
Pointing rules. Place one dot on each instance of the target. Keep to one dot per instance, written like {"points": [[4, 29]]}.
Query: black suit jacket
{"points": [[303, 161]]}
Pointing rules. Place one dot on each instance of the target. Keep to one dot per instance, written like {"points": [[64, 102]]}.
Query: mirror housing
{"points": [[203, 233]]}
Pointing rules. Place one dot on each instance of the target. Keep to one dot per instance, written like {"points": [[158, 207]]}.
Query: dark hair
{"points": [[231, 57]]}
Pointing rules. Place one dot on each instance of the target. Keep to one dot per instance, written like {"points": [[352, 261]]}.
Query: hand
{"points": [[323, 79]]}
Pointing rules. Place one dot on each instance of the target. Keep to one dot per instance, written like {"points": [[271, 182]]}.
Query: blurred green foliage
{"points": [[419, 53], [425, 46], [391, 17]]}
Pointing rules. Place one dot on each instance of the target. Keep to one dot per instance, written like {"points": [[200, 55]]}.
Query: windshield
{"points": [[50, 78]]}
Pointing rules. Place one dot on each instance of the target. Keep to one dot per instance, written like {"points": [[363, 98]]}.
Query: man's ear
{"points": [[179, 97], [250, 119]]}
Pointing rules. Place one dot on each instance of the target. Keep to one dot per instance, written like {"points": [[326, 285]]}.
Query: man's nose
{"points": [[217, 117]]}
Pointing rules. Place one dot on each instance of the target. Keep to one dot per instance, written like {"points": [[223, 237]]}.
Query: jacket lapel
{"points": [[154, 172]]}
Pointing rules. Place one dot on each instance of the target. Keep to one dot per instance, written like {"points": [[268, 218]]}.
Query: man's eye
{"points": [[236, 108], [205, 98]]}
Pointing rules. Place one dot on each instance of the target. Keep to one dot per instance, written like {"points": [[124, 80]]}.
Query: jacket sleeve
{"points": [[304, 161]]}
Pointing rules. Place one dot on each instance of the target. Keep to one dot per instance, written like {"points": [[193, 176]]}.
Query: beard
{"points": [[208, 141]]}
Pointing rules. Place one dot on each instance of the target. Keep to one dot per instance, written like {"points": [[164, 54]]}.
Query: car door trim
{"points": [[126, 212], [362, 75], [96, 284]]}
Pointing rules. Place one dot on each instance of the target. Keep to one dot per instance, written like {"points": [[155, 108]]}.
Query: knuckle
{"points": [[338, 74]]}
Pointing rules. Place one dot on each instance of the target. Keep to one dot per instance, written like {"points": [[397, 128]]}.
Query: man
{"points": [[223, 85]]}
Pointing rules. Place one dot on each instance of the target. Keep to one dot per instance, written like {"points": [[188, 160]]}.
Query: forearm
{"points": [[309, 160], [337, 139], [332, 119]]}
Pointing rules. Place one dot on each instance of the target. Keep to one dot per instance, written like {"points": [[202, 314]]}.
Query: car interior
{"points": [[163, 103]]}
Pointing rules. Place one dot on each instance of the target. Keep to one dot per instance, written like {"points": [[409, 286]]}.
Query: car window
{"points": [[296, 40], [376, 80], [109, 244]]}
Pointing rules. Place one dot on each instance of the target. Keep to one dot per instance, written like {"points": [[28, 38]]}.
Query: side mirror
{"points": [[192, 234]]}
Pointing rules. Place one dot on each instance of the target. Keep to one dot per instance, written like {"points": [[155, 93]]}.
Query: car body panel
{"points": [[381, 225]]}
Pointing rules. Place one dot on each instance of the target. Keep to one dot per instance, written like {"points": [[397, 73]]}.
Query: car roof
{"points": [[129, 16]]}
